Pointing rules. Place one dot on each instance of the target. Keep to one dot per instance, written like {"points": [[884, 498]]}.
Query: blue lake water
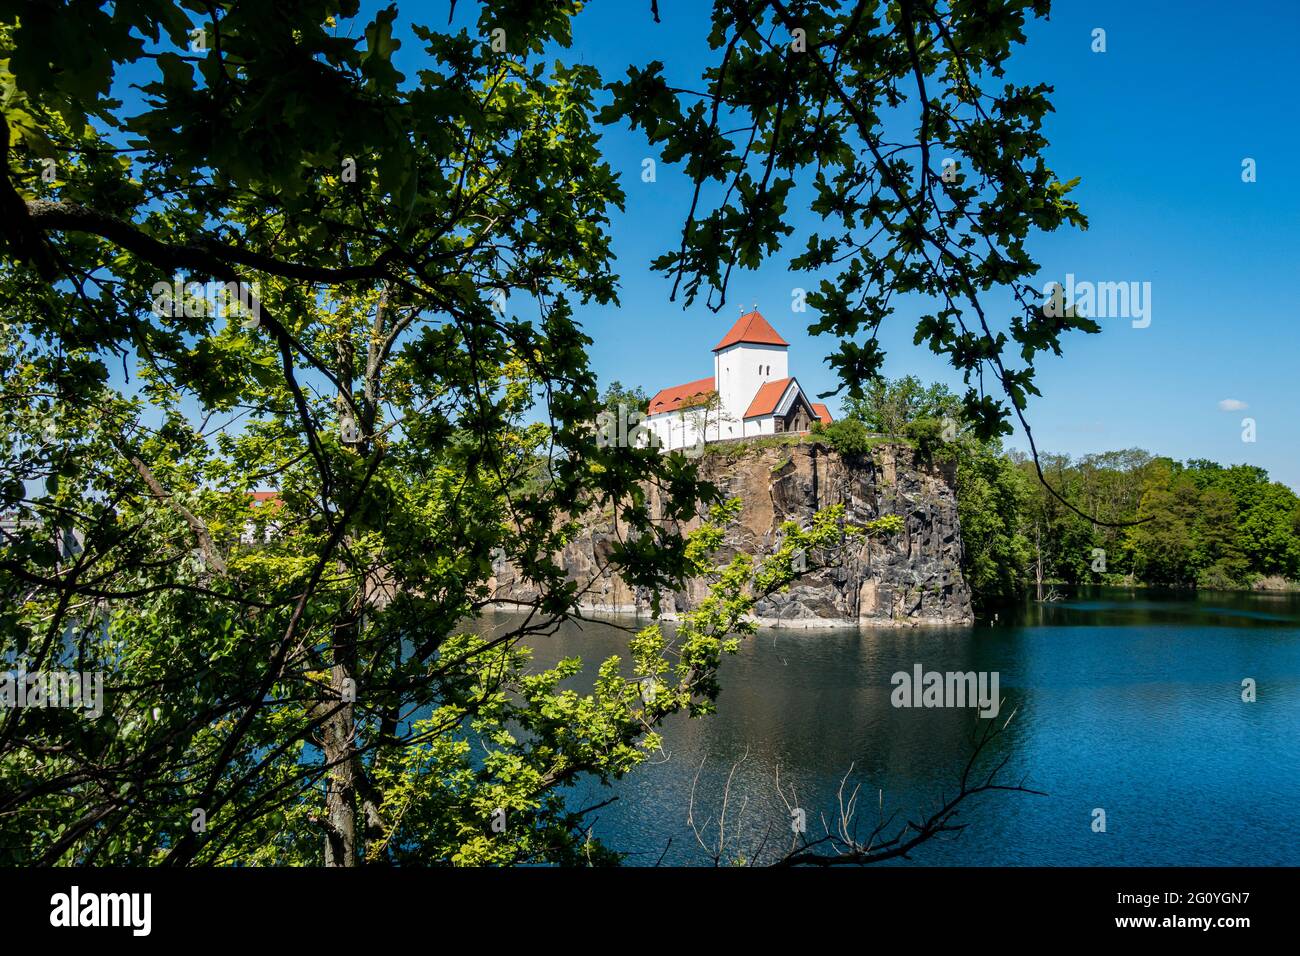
{"points": [[1128, 702]]}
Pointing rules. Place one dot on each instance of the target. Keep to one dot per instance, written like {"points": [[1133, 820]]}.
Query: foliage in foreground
{"points": [[294, 683]]}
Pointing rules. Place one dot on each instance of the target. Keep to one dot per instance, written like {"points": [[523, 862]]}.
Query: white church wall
{"points": [[658, 425], [740, 370], [675, 430]]}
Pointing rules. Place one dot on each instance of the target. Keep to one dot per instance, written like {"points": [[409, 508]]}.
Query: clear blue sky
{"points": [[1157, 128]]}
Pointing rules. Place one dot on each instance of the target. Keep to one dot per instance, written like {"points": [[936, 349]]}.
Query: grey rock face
{"points": [[908, 579]]}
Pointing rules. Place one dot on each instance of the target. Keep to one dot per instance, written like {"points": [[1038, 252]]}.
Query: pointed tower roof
{"points": [[752, 328]]}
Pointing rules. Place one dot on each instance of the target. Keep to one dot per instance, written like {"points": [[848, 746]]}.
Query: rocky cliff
{"points": [[912, 578]]}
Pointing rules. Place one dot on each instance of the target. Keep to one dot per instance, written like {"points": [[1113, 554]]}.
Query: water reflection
{"points": [[1129, 703]]}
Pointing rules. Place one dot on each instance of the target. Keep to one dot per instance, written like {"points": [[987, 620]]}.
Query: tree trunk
{"points": [[1038, 563], [339, 729], [341, 797]]}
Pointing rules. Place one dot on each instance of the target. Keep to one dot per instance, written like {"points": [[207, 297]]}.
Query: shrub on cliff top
{"points": [[848, 436]]}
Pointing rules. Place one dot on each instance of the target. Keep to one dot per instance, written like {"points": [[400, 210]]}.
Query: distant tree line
{"points": [[1182, 524]]}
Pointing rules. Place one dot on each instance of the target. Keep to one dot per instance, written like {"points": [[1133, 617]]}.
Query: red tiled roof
{"points": [[768, 397], [264, 497], [751, 328], [670, 399], [823, 413]]}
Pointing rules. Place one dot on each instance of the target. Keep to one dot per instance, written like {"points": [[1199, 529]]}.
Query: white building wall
{"points": [[659, 424], [763, 425], [739, 371], [678, 430], [674, 430]]}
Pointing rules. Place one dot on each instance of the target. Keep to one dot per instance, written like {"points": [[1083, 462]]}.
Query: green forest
{"points": [[1158, 521]]}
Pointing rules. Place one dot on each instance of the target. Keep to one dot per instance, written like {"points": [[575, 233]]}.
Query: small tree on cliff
{"points": [[705, 413]]}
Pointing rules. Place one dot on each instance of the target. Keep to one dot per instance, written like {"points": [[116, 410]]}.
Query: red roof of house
{"points": [[751, 328], [823, 413], [670, 399], [768, 397], [264, 497]]}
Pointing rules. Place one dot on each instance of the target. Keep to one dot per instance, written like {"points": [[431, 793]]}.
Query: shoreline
{"points": [[768, 623]]}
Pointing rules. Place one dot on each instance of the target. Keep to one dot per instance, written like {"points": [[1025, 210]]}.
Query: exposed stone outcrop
{"points": [[912, 578]]}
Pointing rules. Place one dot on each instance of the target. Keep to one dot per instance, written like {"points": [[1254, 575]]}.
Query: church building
{"points": [[750, 393]]}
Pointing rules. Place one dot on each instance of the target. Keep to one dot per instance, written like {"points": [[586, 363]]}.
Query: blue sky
{"points": [[1157, 128]]}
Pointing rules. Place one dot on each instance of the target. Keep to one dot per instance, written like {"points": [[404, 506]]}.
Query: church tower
{"points": [[749, 356]]}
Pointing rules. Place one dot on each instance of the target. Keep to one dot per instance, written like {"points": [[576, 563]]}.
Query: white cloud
{"points": [[1232, 405]]}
